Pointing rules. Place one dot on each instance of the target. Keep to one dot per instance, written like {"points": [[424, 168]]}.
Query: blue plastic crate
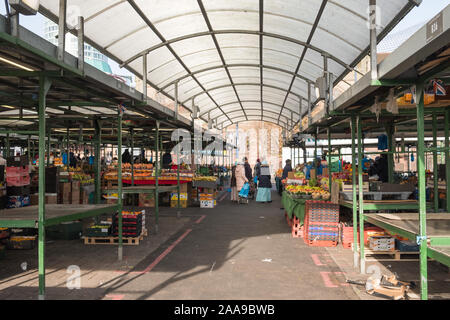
{"points": [[406, 246]]}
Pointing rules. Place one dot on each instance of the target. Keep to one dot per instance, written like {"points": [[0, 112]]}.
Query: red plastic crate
{"points": [[19, 181], [319, 243]]}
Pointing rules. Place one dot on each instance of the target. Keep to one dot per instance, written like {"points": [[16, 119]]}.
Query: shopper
{"points": [[248, 170], [257, 168], [126, 157], [166, 160], [264, 185], [240, 176], [234, 194], [287, 168]]}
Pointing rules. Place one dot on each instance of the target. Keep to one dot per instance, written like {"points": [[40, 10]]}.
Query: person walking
{"points": [[257, 168], [265, 185], [234, 194], [248, 170], [240, 176]]}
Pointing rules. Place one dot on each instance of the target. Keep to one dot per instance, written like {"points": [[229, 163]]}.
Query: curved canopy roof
{"points": [[237, 60]]}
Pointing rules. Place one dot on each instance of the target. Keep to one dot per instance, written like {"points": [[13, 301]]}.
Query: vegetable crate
{"points": [[321, 228]]}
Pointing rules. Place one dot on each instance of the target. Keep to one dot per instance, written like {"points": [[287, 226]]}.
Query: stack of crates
{"points": [[132, 224], [321, 223], [18, 182], [98, 230]]}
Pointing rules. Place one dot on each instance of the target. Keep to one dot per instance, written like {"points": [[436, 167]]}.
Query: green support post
{"points": [[28, 148], [422, 192], [447, 159], [362, 264], [48, 146], [330, 182], [132, 155], [354, 203], [119, 183], [97, 159], [178, 182], [68, 150], [8, 147], [435, 165], [391, 146], [44, 86], [156, 178], [315, 152]]}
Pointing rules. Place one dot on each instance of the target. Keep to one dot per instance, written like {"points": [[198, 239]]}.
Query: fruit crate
{"points": [[100, 230], [65, 231], [205, 184], [21, 243]]}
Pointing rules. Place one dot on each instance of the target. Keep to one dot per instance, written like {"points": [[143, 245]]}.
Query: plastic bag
{"points": [[245, 190]]}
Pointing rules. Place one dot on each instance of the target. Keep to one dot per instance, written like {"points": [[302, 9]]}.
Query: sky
{"points": [[419, 15]]}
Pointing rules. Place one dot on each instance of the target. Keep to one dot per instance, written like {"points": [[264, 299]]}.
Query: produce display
{"points": [[83, 178], [205, 178], [315, 193], [147, 172]]}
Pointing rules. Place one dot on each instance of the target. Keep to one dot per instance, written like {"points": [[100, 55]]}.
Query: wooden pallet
{"points": [[396, 255], [115, 240]]}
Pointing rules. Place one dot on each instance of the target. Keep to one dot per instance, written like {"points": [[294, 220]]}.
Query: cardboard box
{"points": [[34, 199], [84, 197], [174, 203], [312, 174], [146, 200], [325, 172], [75, 186], [291, 175], [209, 204], [174, 196], [382, 243], [75, 197], [51, 198]]}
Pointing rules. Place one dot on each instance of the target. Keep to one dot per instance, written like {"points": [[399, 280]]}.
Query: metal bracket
{"points": [[419, 239]]}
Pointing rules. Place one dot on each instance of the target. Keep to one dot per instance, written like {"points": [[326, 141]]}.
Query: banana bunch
{"points": [[205, 178]]}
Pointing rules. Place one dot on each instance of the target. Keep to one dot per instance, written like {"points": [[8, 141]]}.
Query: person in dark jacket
{"points": [[248, 170], [234, 194], [287, 168], [257, 168], [166, 160], [126, 157], [264, 185]]}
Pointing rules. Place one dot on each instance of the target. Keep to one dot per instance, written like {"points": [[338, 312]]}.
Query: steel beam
{"points": [[447, 158], [119, 184], [422, 192], [435, 165], [362, 263], [80, 36], [44, 87], [62, 27]]}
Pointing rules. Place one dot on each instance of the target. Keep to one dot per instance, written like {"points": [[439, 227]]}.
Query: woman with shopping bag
{"points": [[240, 176], [264, 185]]}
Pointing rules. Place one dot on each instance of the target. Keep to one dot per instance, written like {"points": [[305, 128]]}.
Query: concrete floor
{"points": [[230, 252]]}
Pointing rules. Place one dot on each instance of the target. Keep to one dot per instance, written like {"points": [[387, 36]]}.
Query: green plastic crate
{"points": [[65, 231]]}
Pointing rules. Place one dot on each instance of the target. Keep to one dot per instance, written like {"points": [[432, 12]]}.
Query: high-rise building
{"points": [[91, 55]]}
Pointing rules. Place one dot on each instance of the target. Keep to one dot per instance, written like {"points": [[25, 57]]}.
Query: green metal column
{"points": [[435, 165], [28, 148], [355, 198], [44, 86], [97, 159], [178, 182], [422, 192], [68, 149], [362, 264], [330, 183], [132, 156], [48, 146], [391, 146], [8, 147], [447, 159], [315, 153], [156, 178], [119, 183]]}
